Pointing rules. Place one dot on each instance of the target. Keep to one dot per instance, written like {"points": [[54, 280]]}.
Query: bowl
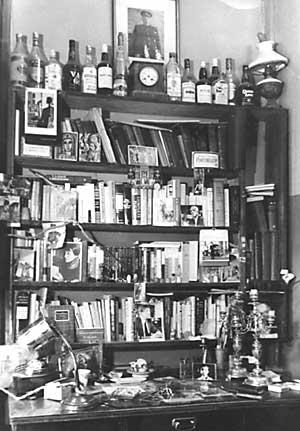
{"points": [[270, 89]]}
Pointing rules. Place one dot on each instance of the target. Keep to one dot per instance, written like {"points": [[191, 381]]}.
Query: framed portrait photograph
{"points": [[68, 148], [204, 371], [150, 28], [66, 263], [40, 113]]}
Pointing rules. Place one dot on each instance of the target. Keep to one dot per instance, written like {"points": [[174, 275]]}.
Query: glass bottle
{"points": [[104, 73], [89, 73], [188, 83], [19, 62], [53, 72], [120, 73], [41, 43], [214, 77], [221, 90], [246, 92], [203, 87], [72, 70], [173, 76], [231, 81], [36, 64]]}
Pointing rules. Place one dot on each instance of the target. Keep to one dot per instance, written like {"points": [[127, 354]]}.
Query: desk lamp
{"points": [[268, 63], [37, 336]]}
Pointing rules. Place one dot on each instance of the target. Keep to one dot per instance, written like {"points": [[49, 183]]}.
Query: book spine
{"points": [[218, 202]]}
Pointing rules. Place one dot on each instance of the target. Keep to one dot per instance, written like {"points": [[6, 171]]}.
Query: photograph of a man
{"points": [[46, 119], [66, 263], [68, 148], [145, 326], [145, 38]]}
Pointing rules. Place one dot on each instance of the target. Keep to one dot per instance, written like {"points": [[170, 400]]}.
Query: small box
{"points": [[57, 391]]}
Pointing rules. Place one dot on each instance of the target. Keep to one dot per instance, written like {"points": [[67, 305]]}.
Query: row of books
{"points": [[175, 203], [156, 261]]}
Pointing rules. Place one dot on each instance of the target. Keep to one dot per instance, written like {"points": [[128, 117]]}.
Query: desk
{"points": [[276, 413]]}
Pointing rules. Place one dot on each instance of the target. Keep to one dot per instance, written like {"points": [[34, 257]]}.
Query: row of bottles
{"points": [[35, 70], [219, 87]]}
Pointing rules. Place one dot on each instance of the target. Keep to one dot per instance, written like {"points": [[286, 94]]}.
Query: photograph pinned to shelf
{"points": [[40, 116], [24, 264], [150, 28]]}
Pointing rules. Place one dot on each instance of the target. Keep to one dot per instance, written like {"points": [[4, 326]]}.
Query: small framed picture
{"points": [[24, 264], [40, 112], [68, 149], [142, 155], [204, 371], [205, 159], [90, 147], [10, 208], [66, 263], [191, 215]]}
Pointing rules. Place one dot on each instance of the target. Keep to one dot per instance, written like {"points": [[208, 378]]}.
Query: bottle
{"points": [[41, 43], [36, 64], [221, 90], [231, 81], [214, 77], [19, 62], [89, 73], [246, 93], [173, 78], [203, 87], [188, 83], [104, 73], [72, 70], [53, 72], [120, 73]]}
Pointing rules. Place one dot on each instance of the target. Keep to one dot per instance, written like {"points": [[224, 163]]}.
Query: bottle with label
{"points": [[105, 73], [41, 43], [214, 77], [231, 81], [72, 70], [246, 93], [89, 73], [188, 83], [173, 78], [221, 90], [53, 72], [203, 87], [36, 64], [19, 62], [120, 72]]}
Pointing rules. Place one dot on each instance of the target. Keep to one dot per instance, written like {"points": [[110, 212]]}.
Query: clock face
{"points": [[148, 76]]}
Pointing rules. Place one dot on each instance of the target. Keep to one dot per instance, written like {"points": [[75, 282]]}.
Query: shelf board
{"points": [[150, 345]]}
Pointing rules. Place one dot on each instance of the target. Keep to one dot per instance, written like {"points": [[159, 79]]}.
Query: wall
{"points": [[210, 33], [284, 28]]}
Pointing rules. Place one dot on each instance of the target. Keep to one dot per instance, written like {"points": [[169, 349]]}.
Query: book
{"points": [[96, 115], [218, 201], [62, 316]]}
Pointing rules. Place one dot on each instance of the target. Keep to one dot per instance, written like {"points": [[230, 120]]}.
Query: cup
{"points": [[83, 375]]}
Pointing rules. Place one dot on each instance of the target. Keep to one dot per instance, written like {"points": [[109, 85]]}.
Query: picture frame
{"points": [[24, 264], [68, 148], [141, 155], [130, 17], [40, 114], [66, 263], [204, 371]]}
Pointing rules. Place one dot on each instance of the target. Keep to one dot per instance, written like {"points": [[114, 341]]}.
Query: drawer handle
{"points": [[184, 424]]}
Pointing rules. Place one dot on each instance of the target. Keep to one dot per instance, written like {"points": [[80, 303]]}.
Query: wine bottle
{"points": [[188, 83], [246, 93], [53, 72], [214, 77], [19, 62], [36, 64], [105, 73], [203, 87], [89, 73], [221, 90], [173, 78], [120, 72], [231, 81], [72, 70]]}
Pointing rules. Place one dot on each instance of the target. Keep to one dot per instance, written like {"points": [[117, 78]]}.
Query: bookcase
{"points": [[254, 151]]}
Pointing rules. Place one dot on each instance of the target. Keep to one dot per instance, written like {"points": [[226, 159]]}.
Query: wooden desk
{"points": [[276, 413]]}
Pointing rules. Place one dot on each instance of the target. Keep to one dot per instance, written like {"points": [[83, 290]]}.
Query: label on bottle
{"points": [[36, 73], [247, 96], [188, 91], [204, 93], [89, 80], [120, 86], [174, 85], [105, 79], [53, 76], [221, 93], [18, 71]]}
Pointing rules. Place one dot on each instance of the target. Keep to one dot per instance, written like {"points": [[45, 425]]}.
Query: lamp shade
{"points": [[268, 56]]}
